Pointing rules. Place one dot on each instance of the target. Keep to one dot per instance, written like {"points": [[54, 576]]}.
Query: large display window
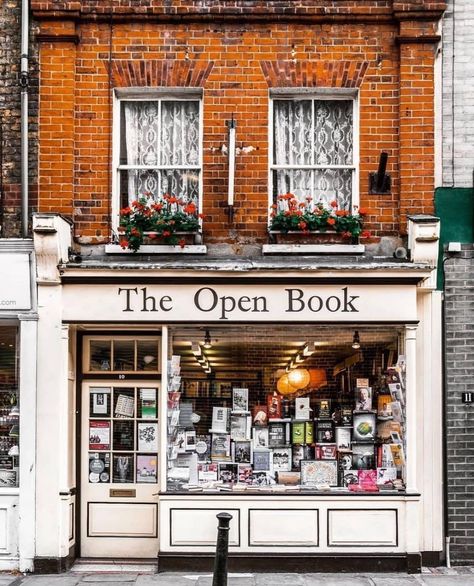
{"points": [[9, 407], [286, 408]]}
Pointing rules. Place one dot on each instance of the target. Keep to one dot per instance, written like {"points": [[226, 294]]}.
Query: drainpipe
{"points": [[24, 81]]}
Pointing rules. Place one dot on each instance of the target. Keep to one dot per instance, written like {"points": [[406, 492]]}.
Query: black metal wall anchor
{"points": [[381, 182], [222, 550]]}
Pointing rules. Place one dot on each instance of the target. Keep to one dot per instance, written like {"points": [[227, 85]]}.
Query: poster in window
{"points": [[99, 435], [100, 404], [8, 477], [123, 468], [240, 400], [147, 437], [318, 473], [99, 467], [148, 403], [146, 468], [124, 407]]}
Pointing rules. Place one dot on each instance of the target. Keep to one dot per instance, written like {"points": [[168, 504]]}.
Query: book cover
{"points": [[386, 475], [262, 460], [282, 459], [350, 477], [227, 473], [276, 434], [242, 452], [308, 432], [220, 420], [298, 432], [260, 415], [302, 408], [190, 440], [148, 437], [207, 472], [125, 407], [384, 407], [363, 456], [325, 452], [274, 406], [386, 428], [297, 454], [343, 438], [240, 399], [245, 473], [260, 438], [203, 447], [364, 427], [324, 431], [220, 447], [318, 473], [368, 479], [323, 409], [239, 427], [363, 399]]}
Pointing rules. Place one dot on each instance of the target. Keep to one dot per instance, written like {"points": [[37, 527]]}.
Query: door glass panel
{"points": [[99, 403], [100, 355], [147, 355], [123, 436], [124, 355], [99, 467], [124, 403], [123, 472]]}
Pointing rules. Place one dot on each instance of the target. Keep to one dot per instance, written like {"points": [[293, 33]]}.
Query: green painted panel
{"points": [[455, 208]]}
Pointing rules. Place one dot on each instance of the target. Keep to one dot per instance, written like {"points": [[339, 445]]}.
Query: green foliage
{"points": [[161, 220]]}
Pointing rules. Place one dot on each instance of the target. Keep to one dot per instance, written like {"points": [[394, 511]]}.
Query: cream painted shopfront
{"points": [[305, 401]]}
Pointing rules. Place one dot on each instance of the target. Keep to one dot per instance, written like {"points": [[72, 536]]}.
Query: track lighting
{"points": [[356, 340], [207, 340]]}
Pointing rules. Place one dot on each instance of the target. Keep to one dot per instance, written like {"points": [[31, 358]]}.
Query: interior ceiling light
{"points": [[356, 340], [196, 349], [207, 340], [299, 378]]}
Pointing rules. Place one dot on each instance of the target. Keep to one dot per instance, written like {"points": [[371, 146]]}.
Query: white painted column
{"points": [[26, 529], [411, 414], [163, 410]]}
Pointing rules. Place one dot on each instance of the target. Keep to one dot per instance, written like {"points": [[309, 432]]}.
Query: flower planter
{"points": [[316, 237]]}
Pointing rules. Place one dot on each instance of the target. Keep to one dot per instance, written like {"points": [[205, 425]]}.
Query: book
{"points": [[190, 440], [239, 427], [367, 479], [276, 434], [350, 477], [203, 447], [318, 473], [260, 415], [363, 456], [324, 431], [220, 447], [220, 420], [227, 473], [386, 428], [325, 452], [302, 408], [363, 399], [323, 409], [346, 414], [274, 406], [386, 475], [260, 438], [384, 407], [262, 460], [298, 432], [242, 452], [281, 459], [364, 427], [245, 473], [207, 472], [240, 399], [343, 438]]}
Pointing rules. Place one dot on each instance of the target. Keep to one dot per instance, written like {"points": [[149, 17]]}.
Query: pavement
{"points": [[458, 576]]}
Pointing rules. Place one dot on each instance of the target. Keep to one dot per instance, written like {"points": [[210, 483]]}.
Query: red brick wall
{"points": [[236, 62]]}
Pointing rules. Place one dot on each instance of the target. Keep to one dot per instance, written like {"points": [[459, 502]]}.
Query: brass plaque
{"points": [[123, 492]]}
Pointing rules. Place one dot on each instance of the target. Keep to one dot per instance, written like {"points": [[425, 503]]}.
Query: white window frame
{"points": [[292, 94], [150, 94]]}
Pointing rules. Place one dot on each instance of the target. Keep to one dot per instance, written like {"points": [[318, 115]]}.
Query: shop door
{"points": [[119, 470]]}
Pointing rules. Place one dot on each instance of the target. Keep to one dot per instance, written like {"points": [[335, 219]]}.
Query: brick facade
{"points": [[236, 53], [10, 204], [460, 422]]}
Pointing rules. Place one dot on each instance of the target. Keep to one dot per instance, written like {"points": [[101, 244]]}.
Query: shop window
{"points": [[312, 408], [121, 354], [314, 150], [9, 407], [159, 148]]}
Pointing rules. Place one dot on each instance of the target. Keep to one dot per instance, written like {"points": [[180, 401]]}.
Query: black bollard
{"points": [[222, 550]]}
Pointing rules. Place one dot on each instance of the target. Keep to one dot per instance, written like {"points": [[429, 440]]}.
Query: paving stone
{"points": [[232, 581], [336, 580], [394, 580], [279, 580], [51, 580], [443, 580], [167, 579], [109, 578]]}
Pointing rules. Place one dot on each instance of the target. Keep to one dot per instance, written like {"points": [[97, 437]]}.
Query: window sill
{"points": [[313, 249], [158, 249]]}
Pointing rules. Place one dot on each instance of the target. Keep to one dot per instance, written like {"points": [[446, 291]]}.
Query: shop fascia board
{"points": [[232, 270]]}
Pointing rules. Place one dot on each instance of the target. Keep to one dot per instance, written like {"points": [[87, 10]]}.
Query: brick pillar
{"points": [[56, 117], [418, 46]]}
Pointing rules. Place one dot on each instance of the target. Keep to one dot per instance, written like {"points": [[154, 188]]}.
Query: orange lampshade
{"points": [[299, 378], [284, 387], [317, 378]]}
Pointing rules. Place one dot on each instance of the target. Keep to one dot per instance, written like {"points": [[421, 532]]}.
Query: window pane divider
{"points": [[158, 167], [311, 167]]}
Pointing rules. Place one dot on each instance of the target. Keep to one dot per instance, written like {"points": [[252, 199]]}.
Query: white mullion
{"points": [[313, 148], [271, 159], [355, 197], [201, 163], [158, 149]]}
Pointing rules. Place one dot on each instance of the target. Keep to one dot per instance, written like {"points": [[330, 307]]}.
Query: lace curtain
{"points": [[314, 133], [170, 140]]}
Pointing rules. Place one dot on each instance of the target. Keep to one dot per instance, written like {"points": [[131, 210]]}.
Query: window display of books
{"points": [[353, 441]]}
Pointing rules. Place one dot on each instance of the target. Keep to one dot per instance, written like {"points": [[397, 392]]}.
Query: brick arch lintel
{"points": [[314, 74], [160, 73]]}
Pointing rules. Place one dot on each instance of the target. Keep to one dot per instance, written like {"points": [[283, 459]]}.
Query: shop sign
{"points": [[240, 302], [15, 292]]}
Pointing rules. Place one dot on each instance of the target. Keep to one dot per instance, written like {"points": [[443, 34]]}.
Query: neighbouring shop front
{"points": [[307, 405], [17, 404]]}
